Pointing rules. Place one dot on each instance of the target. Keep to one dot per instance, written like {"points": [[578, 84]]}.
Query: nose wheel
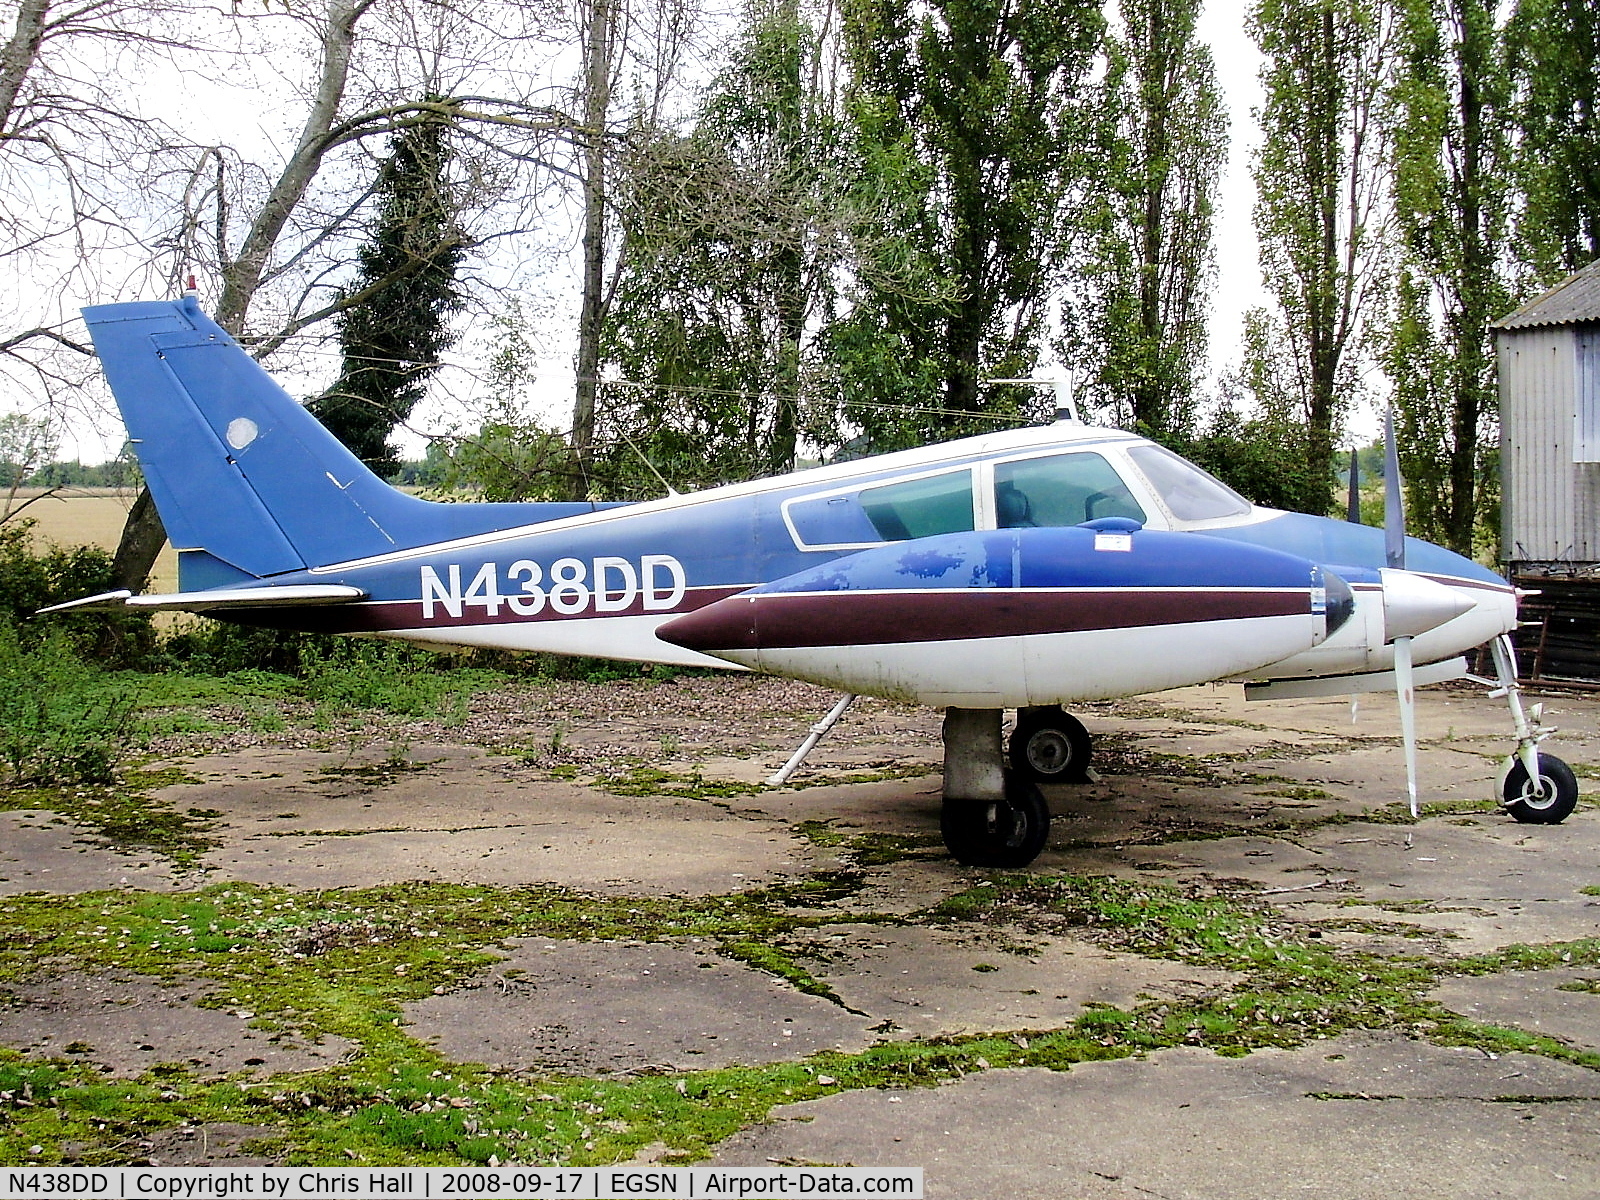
{"points": [[1536, 788], [1549, 803]]}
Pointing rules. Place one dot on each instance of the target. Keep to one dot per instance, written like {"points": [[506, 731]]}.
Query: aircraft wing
{"points": [[287, 595]]}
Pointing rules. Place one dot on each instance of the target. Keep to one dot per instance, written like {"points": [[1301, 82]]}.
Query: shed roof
{"points": [[1575, 298]]}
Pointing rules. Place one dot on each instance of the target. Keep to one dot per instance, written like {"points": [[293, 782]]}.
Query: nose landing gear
{"points": [[1535, 788]]}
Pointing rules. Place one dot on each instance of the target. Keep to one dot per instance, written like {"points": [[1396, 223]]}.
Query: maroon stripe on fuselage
{"points": [[1478, 584], [382, 616], [784, 619]]}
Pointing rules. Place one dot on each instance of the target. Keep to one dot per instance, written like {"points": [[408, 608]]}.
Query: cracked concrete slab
{"points": [[1359, 1117], [613, 1007], [43, 852], [461, 815], [1560, 1003], [946, 981], [1241, 799], [1488, 883], [126, 1024]]}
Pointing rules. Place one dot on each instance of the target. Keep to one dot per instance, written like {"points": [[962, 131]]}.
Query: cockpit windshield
{"points": [[1060, 489], [1188, 492]]}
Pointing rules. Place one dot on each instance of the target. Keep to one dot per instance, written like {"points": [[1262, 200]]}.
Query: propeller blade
{"points": [[1408, 715], [1394, 503], [1352, 511]]}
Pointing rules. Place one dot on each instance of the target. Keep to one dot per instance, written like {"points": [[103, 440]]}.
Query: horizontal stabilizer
{"points": [[287, 595], [1350, 685]]}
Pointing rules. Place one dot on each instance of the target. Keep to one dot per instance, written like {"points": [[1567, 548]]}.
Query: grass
{"points": [[125, 814]]}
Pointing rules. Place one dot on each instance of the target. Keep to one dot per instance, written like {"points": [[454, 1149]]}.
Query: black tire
{"points": [[1050, 746], [1554, 800], [1001, 833]]}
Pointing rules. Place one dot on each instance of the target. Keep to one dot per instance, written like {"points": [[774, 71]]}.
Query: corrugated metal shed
{"points": [[1576, 298], [1549, 366], [1550, 505]]}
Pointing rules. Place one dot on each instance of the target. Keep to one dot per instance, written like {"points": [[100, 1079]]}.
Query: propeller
{"points": [[1352, 513], [1394, 544], [1352, 510]]}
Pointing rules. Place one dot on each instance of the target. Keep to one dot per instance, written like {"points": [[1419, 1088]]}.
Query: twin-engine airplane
{"points": [[1026, 569]]}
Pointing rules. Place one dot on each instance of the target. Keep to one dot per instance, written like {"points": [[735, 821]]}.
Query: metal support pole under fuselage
{"points": [[781, 776]]}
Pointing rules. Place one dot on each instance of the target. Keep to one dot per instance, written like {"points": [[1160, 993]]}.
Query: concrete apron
{"points": [[1238, 798]]}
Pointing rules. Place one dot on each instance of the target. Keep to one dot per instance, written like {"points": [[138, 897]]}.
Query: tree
{"points": [[393, 336], [734, 233], [981, 111], [1321, 199], [1452, 154], [601, 20], [1167, 140], [285, 228], [71, 135], [26, 443], [649, 39], [1255, 437], [1553, 69]]}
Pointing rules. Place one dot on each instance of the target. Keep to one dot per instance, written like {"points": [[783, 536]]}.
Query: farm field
{"points": [[91, 517]]}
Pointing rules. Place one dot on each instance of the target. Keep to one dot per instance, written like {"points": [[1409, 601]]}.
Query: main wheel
{"points": [[1050, 746], [1548, 804], [998, 833]]}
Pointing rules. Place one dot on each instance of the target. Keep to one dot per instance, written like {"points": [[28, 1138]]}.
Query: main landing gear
{"points": [[1535, 788], [1050, 746], [992, 817]]}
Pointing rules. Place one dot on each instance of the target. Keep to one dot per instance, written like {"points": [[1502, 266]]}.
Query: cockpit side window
{"points": [[1060, 489], [920, 507], [1187, 491]]}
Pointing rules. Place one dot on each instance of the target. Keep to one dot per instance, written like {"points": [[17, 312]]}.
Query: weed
{"points": [[1588, 986], [653, 781], [775, 961], [61, 721]]}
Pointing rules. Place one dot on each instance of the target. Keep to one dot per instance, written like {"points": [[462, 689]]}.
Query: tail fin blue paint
{"points": [[246, 481]]}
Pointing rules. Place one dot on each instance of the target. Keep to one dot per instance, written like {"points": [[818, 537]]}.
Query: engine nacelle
{"points": [[1026, 616]]}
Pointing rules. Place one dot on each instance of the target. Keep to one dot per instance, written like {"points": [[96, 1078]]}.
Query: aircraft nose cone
{"points": [[728, 624], [1414, 604]]}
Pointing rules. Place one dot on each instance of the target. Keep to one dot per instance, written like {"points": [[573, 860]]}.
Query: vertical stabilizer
{"points": [[247, 482]]}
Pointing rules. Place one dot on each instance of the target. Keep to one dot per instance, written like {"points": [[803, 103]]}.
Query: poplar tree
{"points": [[1451, 197], [396, 325], [982, 114], [733, 233], [1321, 178], [1553, 65], [1147, 331]]}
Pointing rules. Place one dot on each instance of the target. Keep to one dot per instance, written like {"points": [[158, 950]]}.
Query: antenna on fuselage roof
{"points": [[1066, 403]]}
